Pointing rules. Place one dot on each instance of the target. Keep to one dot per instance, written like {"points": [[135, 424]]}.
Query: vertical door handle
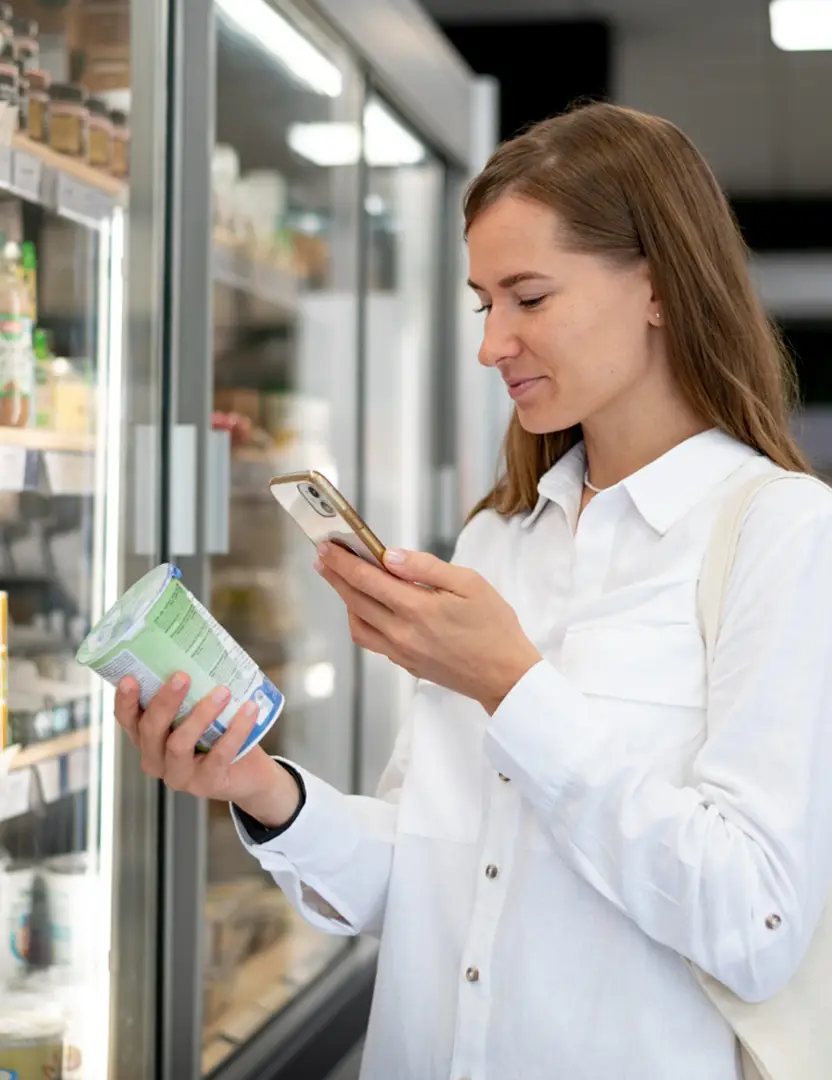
{"points": [[182, 492], [217, 480]]}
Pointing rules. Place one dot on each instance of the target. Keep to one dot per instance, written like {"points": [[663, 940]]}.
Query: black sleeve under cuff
{"points": [[258, 832]]}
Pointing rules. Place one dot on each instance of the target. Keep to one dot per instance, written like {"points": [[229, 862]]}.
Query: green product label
{"points": [[17, 363]]}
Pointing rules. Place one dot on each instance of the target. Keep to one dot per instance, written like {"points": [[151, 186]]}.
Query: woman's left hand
{"points": [[458, 633]]}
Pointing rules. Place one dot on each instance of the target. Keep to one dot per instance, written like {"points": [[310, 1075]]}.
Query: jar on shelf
{"points": [[68, 119], [6, 16], [26, 46], [120, 162], [17, 360], [37, 105], [100, 134], [9, 94]]}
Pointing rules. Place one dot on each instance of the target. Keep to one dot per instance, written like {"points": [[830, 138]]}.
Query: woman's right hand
{"points": [[256, 783]]}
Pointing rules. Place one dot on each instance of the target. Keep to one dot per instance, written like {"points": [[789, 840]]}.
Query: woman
{"points": [[556, 830]]}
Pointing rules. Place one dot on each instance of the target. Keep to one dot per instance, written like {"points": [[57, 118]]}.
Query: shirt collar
{"points": [[562, 484], [663, 491]]}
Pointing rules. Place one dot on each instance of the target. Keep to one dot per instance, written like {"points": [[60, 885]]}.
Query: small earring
{"points": [[658, 316]]}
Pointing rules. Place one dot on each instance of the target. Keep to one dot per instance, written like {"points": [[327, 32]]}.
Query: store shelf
{"points": [[45, 772], [33, 439], [70, 188], [236, 270], [46, 461]]}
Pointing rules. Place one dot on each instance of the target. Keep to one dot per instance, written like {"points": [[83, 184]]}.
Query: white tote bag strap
{"points": [[721, 552], [769, 1032]]}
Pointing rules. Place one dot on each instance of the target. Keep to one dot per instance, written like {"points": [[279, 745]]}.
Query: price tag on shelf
{"points": [[5, 166], [12, 468], [78, 770], [27, 174], [69, 473], [80, 202], [14, 794]]}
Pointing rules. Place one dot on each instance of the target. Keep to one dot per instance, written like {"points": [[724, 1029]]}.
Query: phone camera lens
{"points": [[327, 509], [313, 491]]}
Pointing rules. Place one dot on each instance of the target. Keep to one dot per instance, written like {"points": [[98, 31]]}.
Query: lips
{"points": [[518, 387]]}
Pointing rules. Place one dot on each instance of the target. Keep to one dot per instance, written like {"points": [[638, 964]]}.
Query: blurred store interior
{"points": [[232, 247]]}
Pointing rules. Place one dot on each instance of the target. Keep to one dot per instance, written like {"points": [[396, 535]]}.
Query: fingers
{"points": [[212, 769], [362, 576], [419, 566], [127, 708], [180, 756], [155, 724], [359, 603]]}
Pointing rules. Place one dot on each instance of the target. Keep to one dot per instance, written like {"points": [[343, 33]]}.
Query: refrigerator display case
{"points": [[63, 198], [231, 263]]}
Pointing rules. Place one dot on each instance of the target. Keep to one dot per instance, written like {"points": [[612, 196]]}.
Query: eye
{"points": [[532, 302], [480, 310]]}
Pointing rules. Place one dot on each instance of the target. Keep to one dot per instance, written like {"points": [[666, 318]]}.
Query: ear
{"points": [[655, 308]]}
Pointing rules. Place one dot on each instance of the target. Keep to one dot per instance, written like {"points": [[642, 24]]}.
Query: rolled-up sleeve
{"points": [[334, 861], [733, 870]]}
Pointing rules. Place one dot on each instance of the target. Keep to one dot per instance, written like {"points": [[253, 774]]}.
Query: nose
{"points": [[499, 340]]}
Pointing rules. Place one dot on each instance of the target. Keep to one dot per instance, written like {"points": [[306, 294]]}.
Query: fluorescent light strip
{"points": [[386, 142], [273, 33], [801, 25]]}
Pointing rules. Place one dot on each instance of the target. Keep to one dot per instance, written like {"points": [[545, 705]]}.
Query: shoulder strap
{"points": [[719, 557], [721, 551]]}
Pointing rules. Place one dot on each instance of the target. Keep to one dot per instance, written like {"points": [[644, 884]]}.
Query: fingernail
{"points": [[221, 695], [324, 549], [250, 709], [394, 556], [179, 681], [125, 687], [318, 566]]}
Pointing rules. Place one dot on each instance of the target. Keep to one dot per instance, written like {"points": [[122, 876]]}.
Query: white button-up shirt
{"points": [[537, 876]]}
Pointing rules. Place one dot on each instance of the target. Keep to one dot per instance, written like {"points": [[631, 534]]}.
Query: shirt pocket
{"points": [[635, 662], [442, 791]]}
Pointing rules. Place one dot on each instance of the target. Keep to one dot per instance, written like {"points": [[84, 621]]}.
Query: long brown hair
{"points": [[627, 186]]}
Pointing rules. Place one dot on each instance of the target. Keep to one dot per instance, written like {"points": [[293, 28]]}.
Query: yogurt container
{"points": [[31, 1040], [158, 628]]}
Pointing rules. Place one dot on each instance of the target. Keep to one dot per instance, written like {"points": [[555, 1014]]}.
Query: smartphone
{"points": [[323, 513]]}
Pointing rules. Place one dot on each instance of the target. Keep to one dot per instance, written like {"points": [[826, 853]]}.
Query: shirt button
{"points": [[472, 975], [491, 871], [505, 779], [774, 922]]}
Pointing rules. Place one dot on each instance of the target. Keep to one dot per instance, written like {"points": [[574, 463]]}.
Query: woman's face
{"points": [[571, 334]]}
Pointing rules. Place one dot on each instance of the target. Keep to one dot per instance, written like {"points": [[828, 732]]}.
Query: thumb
{"points": [[424, 569]]}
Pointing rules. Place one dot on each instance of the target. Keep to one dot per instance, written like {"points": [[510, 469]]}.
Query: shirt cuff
{"points": [[262, 834], [544, 737]]}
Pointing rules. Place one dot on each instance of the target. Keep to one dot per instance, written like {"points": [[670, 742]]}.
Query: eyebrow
{"points": [[512, 280]]}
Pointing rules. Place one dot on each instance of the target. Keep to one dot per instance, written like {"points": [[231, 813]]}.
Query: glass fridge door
{"points": [[277, 374], [64, 495]]}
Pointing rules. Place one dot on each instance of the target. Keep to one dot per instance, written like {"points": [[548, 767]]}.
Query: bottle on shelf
{"points": [[17, 362], [44, 410]]}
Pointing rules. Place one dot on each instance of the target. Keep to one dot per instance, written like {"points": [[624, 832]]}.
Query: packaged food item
{"points": [[4, 671], [44, 409], [6, 16], [158, 628], [17, 363], [121, 143], [37, 105], [26, 47], [31, 1039], [73, 889], [100, 134], [68, 119], [9, 94], [29, 274], [16, 885]]}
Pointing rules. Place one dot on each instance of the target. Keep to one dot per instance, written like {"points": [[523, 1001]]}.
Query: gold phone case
{"points": [[323, 513]]}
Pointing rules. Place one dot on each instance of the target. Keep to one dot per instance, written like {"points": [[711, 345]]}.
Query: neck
{"points": [[618, 447]]}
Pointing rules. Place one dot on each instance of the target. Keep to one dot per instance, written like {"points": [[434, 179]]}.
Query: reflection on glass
{"points": [[63, 168], [285, 337], [402, 205]]}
